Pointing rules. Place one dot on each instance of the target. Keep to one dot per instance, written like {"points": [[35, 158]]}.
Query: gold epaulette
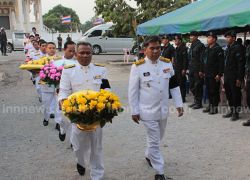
{"points": [[57, 58], [139, 62], [69, 66], [165, 59], [96, 64]]}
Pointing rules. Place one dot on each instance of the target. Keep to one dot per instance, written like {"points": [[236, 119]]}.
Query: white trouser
{"points": [[155, 132], [38, 88], [47, 101], [53, 105], [65, 125], [85, 143]]}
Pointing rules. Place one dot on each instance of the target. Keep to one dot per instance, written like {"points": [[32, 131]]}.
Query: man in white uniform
{"points": [[83, 76], [149, 84], [35, 52], [35, 55], [49, 93], [69, 55], [29, 46]]}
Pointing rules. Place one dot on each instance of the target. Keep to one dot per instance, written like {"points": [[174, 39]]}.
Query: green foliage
{"points": [[119, 12], [52, 19], [127, 18], [88, 24]]}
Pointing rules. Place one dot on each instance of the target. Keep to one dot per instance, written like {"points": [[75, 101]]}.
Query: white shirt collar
{"points": [[72, 59], [85, 67], [151, 62]]}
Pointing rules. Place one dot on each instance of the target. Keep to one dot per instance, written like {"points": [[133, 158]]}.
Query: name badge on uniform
{"points": [[166, 70], [98, 77], [146, 74]]}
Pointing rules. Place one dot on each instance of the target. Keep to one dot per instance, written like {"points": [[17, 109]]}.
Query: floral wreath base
{"points": [[88, 127]]}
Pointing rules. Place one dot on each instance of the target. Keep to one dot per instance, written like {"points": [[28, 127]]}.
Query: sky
{"points": [[84, 8]]}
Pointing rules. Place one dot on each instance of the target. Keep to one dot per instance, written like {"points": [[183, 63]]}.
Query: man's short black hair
{"points": [[178, 37], [51, 43], [83, 43], [151, 39], [34, 28], [231, 33], [212, 34], [41, 41], [239, 40], [166, 37], [194, 33], [37, 35], [34, 41], [31, 36], [68, 43]]}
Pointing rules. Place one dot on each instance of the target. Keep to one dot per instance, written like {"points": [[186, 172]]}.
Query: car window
{"points": [[96, 33]]}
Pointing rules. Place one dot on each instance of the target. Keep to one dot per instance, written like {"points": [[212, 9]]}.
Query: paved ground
{"points": [[196, 146]]}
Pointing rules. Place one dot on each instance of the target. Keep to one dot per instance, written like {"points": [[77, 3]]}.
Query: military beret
{"points": [[165, 37], [194, 33], [211, 33], [150, 39], [230, 33]]}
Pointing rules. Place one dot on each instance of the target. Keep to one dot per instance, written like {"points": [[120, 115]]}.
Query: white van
{"points": [[102, 40]]}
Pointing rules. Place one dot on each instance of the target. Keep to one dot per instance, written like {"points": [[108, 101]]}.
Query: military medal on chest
{"points": [[167, 70], [146, 74]]}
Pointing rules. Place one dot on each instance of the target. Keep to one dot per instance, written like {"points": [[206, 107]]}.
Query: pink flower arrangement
{"points": [[51, 74]]}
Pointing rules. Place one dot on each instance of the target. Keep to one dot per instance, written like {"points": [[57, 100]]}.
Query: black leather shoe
{"points": [[80, 169], [206, 110], [57, 127], [45, 122], [192, 105], [213, 110], [197, 106], [149, 162], [62, 136], [161, 177], [235, 117], [52, 116], [247, 123], [228, 115]]}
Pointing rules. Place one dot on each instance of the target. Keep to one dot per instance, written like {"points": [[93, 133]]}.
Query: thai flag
{"points": [[66, 19], [98, 21]]}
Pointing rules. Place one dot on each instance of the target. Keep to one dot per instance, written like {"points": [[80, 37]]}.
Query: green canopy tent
{"points": [[201, 16]]}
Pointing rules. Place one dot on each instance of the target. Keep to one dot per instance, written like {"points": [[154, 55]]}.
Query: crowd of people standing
{"points": [[213, 67]]}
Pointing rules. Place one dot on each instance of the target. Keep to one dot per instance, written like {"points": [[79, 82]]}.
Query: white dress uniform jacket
{"points": [[36, 54], [83, 78], [149, 86]]}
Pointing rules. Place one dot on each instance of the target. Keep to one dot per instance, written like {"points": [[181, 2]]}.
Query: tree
{"points": [[148, 9], [88, 24], [119, 12], [127, 18], [52, 19]]}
